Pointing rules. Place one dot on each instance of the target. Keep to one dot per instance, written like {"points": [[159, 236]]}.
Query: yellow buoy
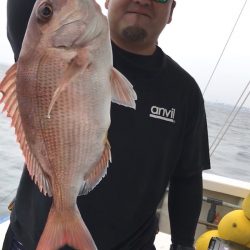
{"points": [[235, 227], [246, 206], [202, 242]]}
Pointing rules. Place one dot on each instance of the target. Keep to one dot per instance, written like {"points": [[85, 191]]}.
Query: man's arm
{"points": [[184, 202]]}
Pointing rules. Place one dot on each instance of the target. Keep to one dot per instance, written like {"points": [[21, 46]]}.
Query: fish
{"points": [[58, 96]]}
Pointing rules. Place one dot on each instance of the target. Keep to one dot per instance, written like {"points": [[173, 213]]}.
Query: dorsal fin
{"points": [[9, 98]]}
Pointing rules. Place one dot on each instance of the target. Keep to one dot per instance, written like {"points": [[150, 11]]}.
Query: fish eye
{"points": [[44, 12]]}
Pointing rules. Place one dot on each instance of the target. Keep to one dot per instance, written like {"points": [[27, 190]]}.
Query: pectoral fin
{"points": [[122, 90], [78, 64], [9, 98]]}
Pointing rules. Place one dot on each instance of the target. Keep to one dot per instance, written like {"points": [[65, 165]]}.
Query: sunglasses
{"points": [[161, 1]]}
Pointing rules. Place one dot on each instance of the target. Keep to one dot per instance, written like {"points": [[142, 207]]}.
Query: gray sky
{"points": [[195, 39]]}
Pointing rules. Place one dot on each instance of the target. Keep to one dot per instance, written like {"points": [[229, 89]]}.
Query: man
{"points": [[164, 141]]}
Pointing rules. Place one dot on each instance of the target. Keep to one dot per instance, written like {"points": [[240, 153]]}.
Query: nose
{"points": [[143, 2]]}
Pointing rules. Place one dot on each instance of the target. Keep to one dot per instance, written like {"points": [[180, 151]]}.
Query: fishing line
{"points": [[229, 116], [216, 65], [227, 127]]}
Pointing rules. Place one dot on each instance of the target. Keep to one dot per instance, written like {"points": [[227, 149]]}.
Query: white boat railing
{"points": [[226, 185]]}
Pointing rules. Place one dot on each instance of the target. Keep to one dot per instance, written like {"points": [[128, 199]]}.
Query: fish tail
{"points": [[65, 228]]}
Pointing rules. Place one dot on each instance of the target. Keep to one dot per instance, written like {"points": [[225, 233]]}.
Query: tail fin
{"points": [[65, 228]]}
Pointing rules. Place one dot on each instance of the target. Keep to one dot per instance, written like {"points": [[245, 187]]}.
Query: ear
{"points": [[171, 11], [107, 4]]}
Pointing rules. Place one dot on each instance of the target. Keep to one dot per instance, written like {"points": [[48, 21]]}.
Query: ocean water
{"points": [[230, 159]]}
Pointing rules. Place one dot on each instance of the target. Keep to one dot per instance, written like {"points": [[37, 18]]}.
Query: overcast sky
{"points": [[195, 39]]}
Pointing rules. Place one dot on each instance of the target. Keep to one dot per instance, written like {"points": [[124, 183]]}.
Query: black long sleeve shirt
{"points": [[164, 138]]}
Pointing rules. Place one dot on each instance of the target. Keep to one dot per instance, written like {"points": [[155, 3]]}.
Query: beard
{"points": [[134, 34]]}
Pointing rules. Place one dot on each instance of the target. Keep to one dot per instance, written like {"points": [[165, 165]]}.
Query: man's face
{"points": [[138, 20]]}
